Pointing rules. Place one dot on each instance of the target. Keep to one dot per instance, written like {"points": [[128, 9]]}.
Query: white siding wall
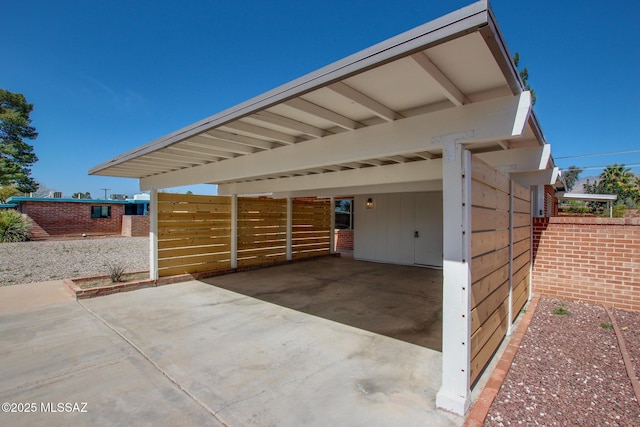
{"points": [[385, 233]]}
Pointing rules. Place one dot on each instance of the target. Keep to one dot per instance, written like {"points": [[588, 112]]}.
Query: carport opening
{"points": [[401, 302]]}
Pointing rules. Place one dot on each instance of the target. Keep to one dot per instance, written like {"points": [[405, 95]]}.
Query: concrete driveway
{"points": [[198, 354]]}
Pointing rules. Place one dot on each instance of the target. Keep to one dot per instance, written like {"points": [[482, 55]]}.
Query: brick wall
{"points": [[591, 259], [344, 240], [550, 201], [67, 218], [135, 225]]}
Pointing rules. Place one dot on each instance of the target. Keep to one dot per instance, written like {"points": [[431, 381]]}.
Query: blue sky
{"points": [[108, 76]]}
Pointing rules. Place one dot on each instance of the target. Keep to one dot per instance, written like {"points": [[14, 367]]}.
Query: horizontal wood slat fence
{"points": [[311, 231], [195, 232], [500, 250]]}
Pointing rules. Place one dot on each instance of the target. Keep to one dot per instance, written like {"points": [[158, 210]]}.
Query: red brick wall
{"points": [[550, 201], [344, 240], [135, 225], [65, 218], [591, 259]]}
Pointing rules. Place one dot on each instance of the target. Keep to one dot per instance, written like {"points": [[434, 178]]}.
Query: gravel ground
{"points": [[569, 370], [39, 261]]}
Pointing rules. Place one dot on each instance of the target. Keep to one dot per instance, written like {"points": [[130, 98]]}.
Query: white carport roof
{"points": [[379, 117]]}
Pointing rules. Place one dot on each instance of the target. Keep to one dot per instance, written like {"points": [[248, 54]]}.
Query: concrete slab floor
{"points": [[60, 354], [196, 354], [402, 302]]}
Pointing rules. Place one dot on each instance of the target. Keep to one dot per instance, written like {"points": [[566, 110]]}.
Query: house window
{"points": [[100, 211]]}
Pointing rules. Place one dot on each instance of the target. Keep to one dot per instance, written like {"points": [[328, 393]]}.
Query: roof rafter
{"points": [[278, 120], [241, 126], [318, 111], [231, 147], [448, 88], [358, 97], [237, 139], [196, 147]]}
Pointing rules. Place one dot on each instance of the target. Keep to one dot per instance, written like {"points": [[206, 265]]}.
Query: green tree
{"points": [[524, 76], [6, 192], [570, 177], [16, 155], [81, 195], [619, 180]]}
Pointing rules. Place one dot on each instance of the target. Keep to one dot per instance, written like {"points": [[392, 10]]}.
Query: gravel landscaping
{"points": [[569, 370], [40, 261]]}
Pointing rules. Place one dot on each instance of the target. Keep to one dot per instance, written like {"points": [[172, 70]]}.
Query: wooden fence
{"points": [[311, 233], [195, 232], [262, 231], [500, 249]]}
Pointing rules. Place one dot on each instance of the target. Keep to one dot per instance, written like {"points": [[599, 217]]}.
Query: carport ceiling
{"points": [[454, 61]]}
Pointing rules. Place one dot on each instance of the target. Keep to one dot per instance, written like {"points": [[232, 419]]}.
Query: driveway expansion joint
{"points": [[154, 364]]}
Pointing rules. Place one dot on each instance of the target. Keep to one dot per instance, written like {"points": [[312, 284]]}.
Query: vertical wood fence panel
{"points": [[311, 234], [193, 234], [490, 245], [262, 231], [521, 248]]}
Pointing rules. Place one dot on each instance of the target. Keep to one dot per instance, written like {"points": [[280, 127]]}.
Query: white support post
{"points": [[234, 231], [153, 235], [530, 282], [289, 229], [332, 237], [455, 393], [511, 216]]}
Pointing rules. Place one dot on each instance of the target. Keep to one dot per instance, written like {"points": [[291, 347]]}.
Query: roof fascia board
{"points": [[452, 25]]}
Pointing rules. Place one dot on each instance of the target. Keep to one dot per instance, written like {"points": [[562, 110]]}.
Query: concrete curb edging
{"points": [[479, 411]]}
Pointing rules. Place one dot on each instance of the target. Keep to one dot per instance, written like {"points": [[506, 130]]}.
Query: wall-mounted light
{"points": [[369, 204]]}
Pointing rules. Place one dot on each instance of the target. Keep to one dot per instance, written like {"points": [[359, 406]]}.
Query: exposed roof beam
{"points": [[487, 121], [197, 147], [239, 139], [159, 163], [425, 155], [176, 158], [518, 159], [397, 159], [504, 144], [360, 98], [278, 120], [372, 162], [262, 132], [402, 187], [201, 153], [389, 174], [221, 145], [448, 88], [323, 113]]}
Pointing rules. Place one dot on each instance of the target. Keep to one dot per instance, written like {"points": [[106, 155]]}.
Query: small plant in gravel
{"points": [[116, 270], [13, 227], [606, 325], [561, 310]]}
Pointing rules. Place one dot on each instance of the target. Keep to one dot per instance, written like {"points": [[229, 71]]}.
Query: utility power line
{"points": [[600, 167], [612, 153]]}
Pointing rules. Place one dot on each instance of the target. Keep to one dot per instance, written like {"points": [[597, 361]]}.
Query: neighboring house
{"points": [[64, 217], [434, 136]]}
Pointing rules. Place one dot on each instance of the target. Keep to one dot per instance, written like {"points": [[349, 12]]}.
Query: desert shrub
{"points": [[13, 227], [116, 270]]}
